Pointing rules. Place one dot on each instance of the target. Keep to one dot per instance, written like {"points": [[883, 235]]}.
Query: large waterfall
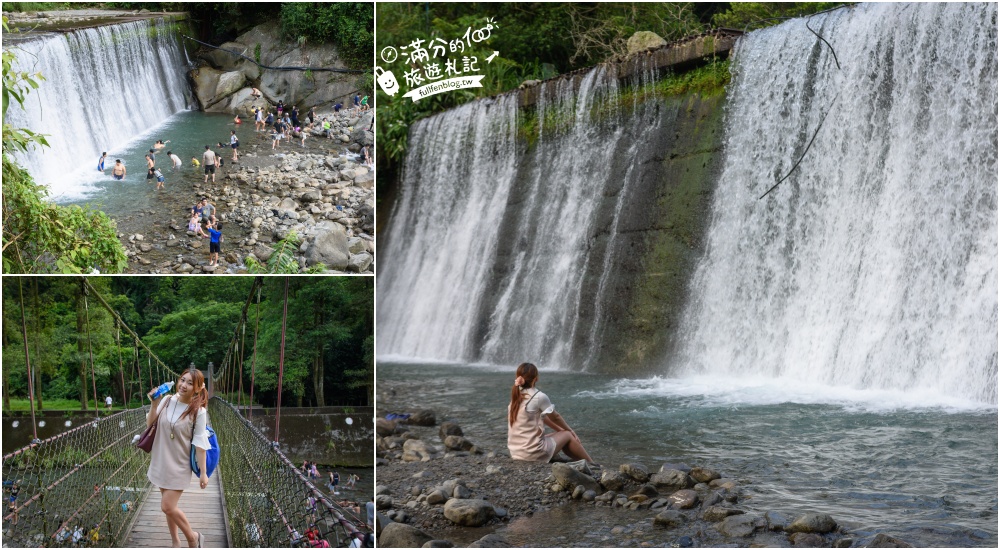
{"points": [[103, 87], [875, 264]]}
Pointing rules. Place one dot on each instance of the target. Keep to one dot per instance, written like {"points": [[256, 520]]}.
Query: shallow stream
{"points": [[921, 469]]}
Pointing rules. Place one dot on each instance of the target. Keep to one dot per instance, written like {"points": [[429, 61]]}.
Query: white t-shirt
{"points": [[209, 157], [107, 400], [177, 160]]}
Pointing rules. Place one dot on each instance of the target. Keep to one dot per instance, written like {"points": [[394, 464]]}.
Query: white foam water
{"points": [[103, 87], [874, 266]]}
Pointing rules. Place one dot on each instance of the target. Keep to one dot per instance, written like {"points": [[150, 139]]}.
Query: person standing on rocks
{"points": [[208, 159], [295, 116], [529, 409], [214, 243], [312, 115]]}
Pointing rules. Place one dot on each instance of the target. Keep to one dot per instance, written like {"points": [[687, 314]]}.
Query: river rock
{"points": [[644, 40], [704, 475], [384, 427], [776, 521], [736, 526], [415, 450], [882, 540], [807, 540], [470, 512], [400, 535], [669, 519], [458, 443], [383, 502], [568, 478], [424, 417], [437, 496], [449, 428], [715, 514], [675, 466], [683, 499], [439, 543], [612, 480], [492, 540], [648, 491], [635, 471], [723, 483], [330, 249], [813, 523], [670, 480], [359, 263]]}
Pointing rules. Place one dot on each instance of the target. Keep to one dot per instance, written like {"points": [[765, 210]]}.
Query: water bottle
{"points": [[161, 390]]}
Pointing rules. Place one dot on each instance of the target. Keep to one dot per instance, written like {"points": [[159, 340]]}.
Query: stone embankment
{"points": [[437, 489], [316, 204]]}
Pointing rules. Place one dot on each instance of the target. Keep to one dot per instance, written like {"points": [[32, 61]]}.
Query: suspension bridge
{"points": [[87, 486]]}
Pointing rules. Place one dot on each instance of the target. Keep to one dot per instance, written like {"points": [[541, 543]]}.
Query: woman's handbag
{"points": [[211, 455], [146, 439]]}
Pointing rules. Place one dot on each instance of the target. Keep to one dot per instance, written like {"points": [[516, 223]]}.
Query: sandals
{"points": [[200, 541]]}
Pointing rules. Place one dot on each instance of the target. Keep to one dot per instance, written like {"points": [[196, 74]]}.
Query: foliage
{"points": [[348, 25], [184, 320], [37, 6], [757, 15], [282, 260]]}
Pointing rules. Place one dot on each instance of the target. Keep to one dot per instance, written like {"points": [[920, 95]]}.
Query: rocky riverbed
{"points": [[320, 196], [440, 487]]}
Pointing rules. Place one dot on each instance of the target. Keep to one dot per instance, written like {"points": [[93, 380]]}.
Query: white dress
{"points": [[526, 438], [170, 460]]}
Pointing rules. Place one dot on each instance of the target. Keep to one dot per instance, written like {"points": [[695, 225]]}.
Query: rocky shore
{"points": [[316, 202], [439, 487]]}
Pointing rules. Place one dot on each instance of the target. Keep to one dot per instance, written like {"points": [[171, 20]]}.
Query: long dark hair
{"points": [[529, 373], [200, 397]]}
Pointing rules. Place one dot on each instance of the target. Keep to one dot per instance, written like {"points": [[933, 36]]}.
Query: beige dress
{"points": [[170, 460], [526, 438]]}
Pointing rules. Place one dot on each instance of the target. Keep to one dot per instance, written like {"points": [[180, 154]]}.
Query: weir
{"points": [[614, 229], [103, 86]]}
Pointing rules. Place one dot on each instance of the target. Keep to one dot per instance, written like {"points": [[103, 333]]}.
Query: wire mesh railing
{"points": [[270, 503], [81, 487]]}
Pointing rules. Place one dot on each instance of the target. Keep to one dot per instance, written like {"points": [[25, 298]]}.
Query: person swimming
{"points": [[118, 171], [160, 144]]}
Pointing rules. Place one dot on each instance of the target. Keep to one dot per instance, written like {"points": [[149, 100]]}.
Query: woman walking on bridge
{"points": [[182, 419]]}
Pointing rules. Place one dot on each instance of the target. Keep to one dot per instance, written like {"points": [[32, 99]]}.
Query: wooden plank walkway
{"points": [[203, 509]]}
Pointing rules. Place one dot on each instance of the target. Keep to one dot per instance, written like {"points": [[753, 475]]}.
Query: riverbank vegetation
{"points": [[75, 346], [537, 41]]}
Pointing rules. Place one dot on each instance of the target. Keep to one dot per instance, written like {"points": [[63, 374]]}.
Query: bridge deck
{"points": [[203, 509]]}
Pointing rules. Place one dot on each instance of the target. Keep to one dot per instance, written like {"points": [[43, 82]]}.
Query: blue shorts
{"points": [[118, 177], [160, 179]]}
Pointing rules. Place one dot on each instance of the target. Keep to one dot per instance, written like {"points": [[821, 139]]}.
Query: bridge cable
{"points": [[90, 347], [27, 361], [253, 363], [281, 361]]}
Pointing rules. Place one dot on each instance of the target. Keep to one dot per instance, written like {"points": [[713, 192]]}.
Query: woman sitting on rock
{"points": [[528, 410]]}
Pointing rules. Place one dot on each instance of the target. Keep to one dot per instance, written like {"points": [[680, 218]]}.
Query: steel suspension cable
{"points": [[281, 361], [90, 348], [253, 363], [27, 361]]}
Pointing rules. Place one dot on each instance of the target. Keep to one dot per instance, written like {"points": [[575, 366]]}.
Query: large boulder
{"points": [[736, 526], [400, 535], [221, 59], [424, 417], [569, 478], [329, 247], [470, 512], [644, 40]]}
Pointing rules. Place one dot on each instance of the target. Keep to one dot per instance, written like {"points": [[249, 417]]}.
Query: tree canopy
{"points": [[183, 320]]}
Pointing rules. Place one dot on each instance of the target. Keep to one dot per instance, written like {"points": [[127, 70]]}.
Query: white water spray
{"points": [[875, 264], [103, 86]]}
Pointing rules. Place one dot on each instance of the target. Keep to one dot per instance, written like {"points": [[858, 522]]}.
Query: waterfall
{"points": [[875, 264], [491, 240], [103, 87]]}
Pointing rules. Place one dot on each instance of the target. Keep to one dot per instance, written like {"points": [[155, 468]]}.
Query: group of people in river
{"points": [[211, 161], [284, 124]]}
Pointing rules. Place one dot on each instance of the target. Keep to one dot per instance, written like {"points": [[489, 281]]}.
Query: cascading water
{"points": [[875, 264], [489, 244], [103, 86]]}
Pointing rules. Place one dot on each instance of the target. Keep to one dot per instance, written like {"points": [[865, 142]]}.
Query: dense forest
{"points": [[539, 40], [74, 343]]}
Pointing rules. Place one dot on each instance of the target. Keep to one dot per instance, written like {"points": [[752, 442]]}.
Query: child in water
{"points": [[159, 178]]}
